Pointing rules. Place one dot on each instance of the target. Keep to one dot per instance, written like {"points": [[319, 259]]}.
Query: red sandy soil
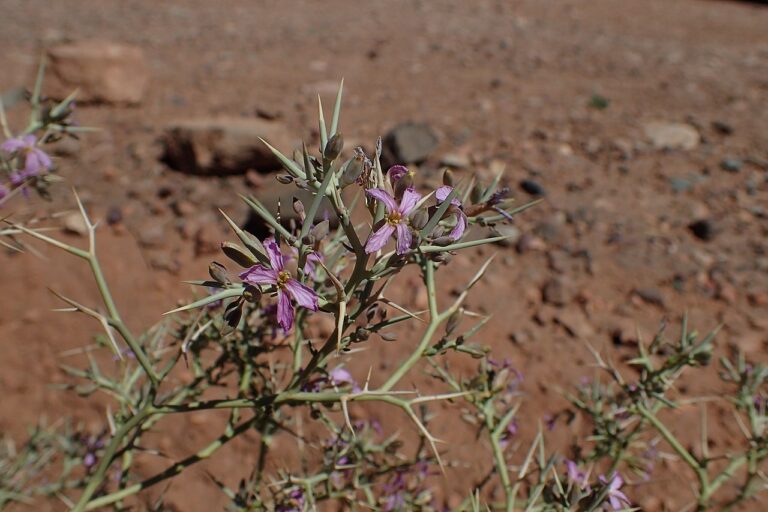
{"points": [[507, 81]]}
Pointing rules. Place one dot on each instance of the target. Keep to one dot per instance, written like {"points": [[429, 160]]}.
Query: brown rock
{"points": [[222, 146], [207, 240], [575, 323], [102, 71], [557, 292]]}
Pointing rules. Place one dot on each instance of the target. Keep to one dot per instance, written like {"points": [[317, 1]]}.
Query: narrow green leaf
{"points": [[336, 111], [318, 199], [225, 294], [288, 164], [463, 245], [321, 121], [262, 211], [426, 230]]}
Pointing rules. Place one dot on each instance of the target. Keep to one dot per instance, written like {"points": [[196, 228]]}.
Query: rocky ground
{"points": [[641, 125]]}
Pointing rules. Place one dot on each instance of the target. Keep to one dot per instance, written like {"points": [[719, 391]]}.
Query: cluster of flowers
{"points": [[611, 486], [402, 216], [30, 160]]}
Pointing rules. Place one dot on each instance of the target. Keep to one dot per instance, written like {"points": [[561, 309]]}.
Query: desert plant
{"points": [[246, 343]]}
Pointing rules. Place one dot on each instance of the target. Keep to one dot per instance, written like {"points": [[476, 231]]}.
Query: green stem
{"points": [[435, 320], [701, 474], [500, 461]]}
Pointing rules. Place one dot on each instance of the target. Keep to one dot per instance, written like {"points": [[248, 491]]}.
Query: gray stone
{"points": [[410, 142], [224, 146], [731, 164]]}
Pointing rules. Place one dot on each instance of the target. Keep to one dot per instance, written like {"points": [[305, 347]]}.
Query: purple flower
{"points": [[286, 285], [396, 173], [396, 219], [35, 159], [617, 499], [441, 194], [509, 433], [310, 262], [295, 502], [340, 376], [576, 476]]}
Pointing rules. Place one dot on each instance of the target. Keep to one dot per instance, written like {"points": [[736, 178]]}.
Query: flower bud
{"points": [[453, 322], [320, 230], [218, 272], [237, 254], [500, 379], [285, 179], [448, 177], [233, 314], [419, 218], [298, 207], [251, 293], [352, 171], [388, 336], [442, 241], [333, 147], [362, 334], [401, 185], [477, 193]]}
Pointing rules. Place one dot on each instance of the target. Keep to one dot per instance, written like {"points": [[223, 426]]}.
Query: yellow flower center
{"points": [[282, 278], [394, 218]]}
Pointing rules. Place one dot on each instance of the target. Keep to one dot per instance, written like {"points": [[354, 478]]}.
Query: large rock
{"points": [[221, 146], [409, 143], [665, 135], [103, 71]]}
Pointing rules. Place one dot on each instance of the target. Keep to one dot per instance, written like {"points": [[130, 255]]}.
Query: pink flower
{"points": [[441, 194], [617, 499], [395, 173], [339, 376], [287, 286], [577, 476], [395, 220], [35, 159], [310, 262]]}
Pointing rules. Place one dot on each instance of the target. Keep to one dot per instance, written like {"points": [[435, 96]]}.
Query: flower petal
{"points": [[43, 158], [442, 193], [284, 311], [31, 164], [409, 200], [275, 256], [340, 376], [461, 225], [383, 197], [29, 140], [12, 145], [303, 294], [259, 274], [379, 239], [404, 238]]}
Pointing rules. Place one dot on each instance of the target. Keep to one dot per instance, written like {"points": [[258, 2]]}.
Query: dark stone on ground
{"points": [[409, 143]]}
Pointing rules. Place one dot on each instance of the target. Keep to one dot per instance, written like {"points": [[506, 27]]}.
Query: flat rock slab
{"points": [[664, 135], [102, 71], [224, 146]]}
